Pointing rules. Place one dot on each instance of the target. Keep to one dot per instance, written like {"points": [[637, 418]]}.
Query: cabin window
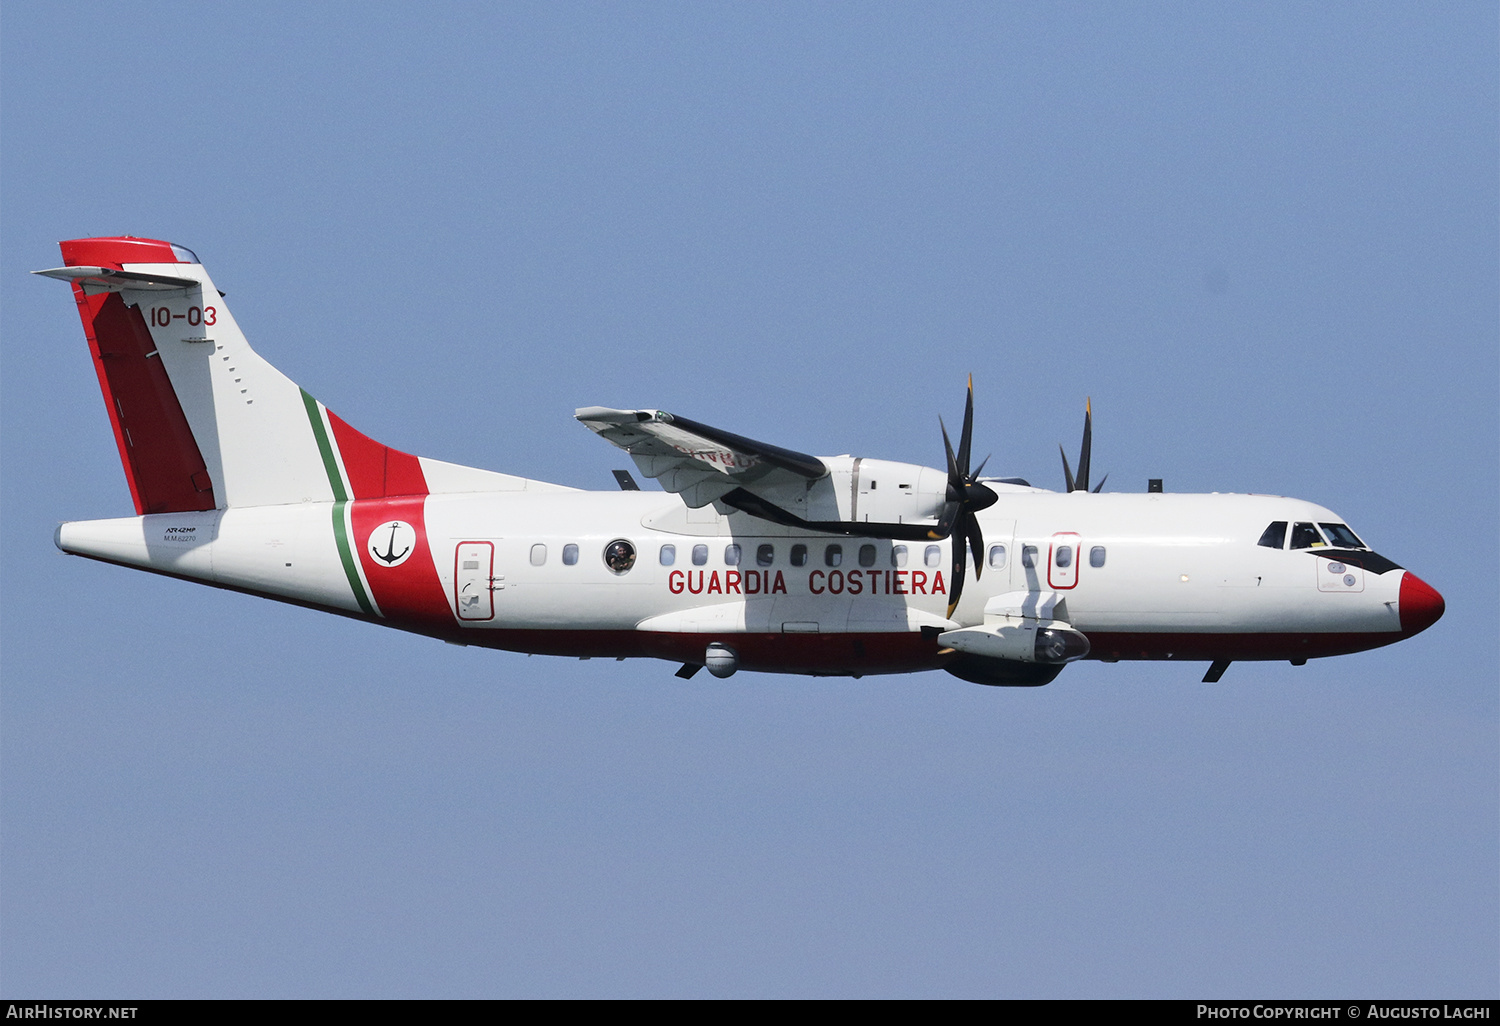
{"points": [[1306, 536], [570, 554], [933, 555], [1063, 556], [1028, 556], [898, 555], [867, 555], [700, 555], [619, 556], [833, 555], [538, 554], [997, 557], [731, 555], [765, 555], [1274, 537], [668, 555], [1341, 536], [799, 555], [1096, 556]]}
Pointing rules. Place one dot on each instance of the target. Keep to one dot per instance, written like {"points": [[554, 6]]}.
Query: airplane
{"points": [[752, 556]]}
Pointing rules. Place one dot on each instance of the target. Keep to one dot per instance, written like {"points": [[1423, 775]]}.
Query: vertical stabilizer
{"points": [[201, 420]]}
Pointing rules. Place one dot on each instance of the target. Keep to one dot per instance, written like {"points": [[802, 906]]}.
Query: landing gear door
{"points": [[474, 581]]}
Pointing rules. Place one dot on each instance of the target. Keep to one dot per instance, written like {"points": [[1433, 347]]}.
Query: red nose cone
{"points": [[1421, 605]]}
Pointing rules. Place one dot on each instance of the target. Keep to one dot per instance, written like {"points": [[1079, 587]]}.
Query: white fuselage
{"points": [[1150, 576]]}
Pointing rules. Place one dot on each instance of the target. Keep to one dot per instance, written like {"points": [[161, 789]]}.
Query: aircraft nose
{"points": [[1420, 604]]}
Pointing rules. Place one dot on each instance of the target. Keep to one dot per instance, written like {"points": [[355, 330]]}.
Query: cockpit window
{"points": [[1306, 536], [1274, 537], [1341, 536]]}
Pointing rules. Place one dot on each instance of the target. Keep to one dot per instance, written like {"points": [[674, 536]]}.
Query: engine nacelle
{"points": [[1020, 639], [859, 490], [1013, 651]]}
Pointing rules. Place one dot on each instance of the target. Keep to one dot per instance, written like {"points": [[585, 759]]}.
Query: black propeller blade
{"points": [[1081, 482], [966, 497]]}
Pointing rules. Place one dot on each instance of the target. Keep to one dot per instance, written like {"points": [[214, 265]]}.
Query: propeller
{"points": [[965, 497], [1081, 482]]}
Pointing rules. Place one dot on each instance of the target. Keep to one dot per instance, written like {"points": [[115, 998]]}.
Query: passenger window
{"points": [[570, 555], [1274, 537], [1096, 556], [997, 557], [700, 555], [731, 555], [1028, 556], [538, 554], [1341, 536], [1306, 536], [799, 555], [898, 555], [668, 555], [619, 556], [933, 556], [833, 555], [867, 554], [1064, 556], [765, 555]]}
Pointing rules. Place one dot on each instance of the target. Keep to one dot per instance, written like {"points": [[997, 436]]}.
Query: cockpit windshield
{"points": [[1306, 536], [1274, 537], [1342, 537]]}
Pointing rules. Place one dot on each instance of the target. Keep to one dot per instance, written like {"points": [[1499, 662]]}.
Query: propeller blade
{"points": [[967, 436], [1067, 470], [953, 474], [1100, 486], [1088, 445], [976, 545], [956, 580], [946, 520]]}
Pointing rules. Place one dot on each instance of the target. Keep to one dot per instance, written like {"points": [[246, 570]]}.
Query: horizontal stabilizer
{"points": [[105, 279]]}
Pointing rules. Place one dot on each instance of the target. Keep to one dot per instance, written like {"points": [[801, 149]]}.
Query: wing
{"points": [[699, 462]]}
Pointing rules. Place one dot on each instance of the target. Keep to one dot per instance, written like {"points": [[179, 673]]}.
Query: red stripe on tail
{"points": [[163, 464], [376, 471], [112, 252]]}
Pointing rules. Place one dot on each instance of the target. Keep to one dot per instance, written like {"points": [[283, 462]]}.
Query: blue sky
{"points": [[1262, 237]]}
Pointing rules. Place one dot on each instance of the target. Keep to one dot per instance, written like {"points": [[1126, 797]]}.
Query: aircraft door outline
{"points": [[1062, 560], [474, 581]]}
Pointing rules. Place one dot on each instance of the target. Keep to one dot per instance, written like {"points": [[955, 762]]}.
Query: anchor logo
{"points": [[392, 543]]}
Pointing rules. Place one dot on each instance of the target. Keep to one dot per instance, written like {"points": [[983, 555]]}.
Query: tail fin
{"points": [[201, 421]]}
